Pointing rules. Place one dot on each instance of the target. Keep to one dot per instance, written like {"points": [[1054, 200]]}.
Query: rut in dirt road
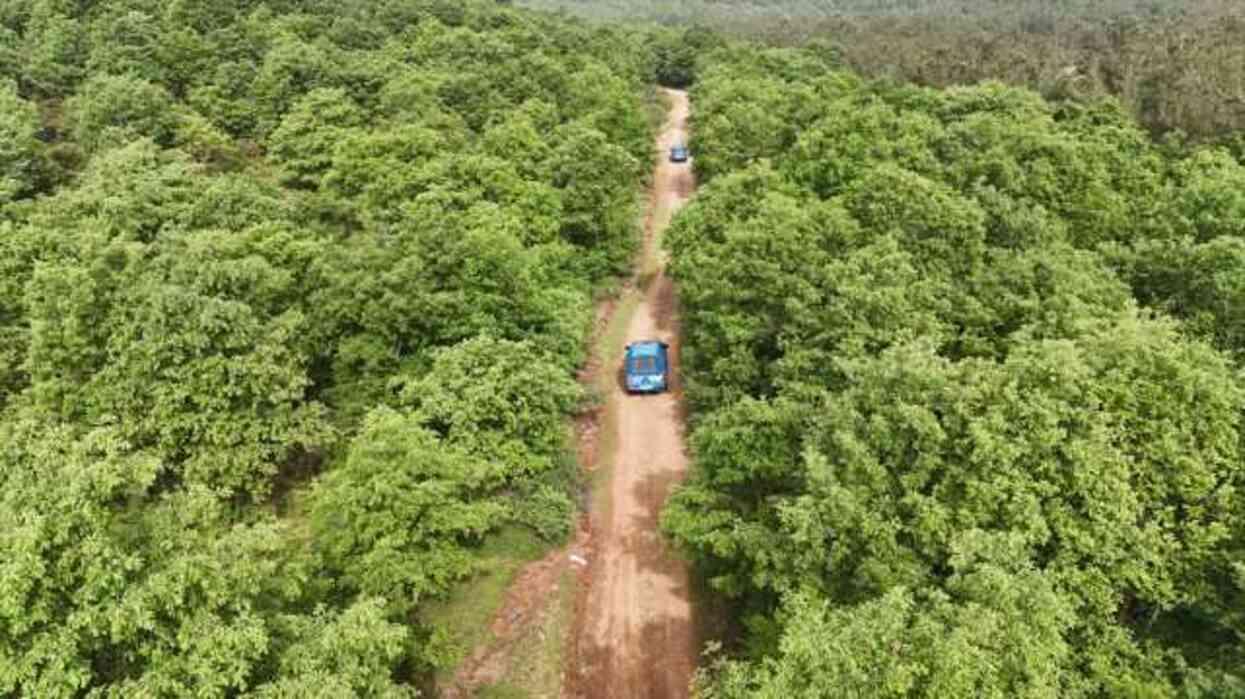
{"points": [[636, 634]]}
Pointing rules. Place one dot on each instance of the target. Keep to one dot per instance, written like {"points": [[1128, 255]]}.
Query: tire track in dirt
{"points": [[635, 634]]}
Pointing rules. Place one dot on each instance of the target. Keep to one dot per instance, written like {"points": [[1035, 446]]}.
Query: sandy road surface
{"points": [[636, 635]]}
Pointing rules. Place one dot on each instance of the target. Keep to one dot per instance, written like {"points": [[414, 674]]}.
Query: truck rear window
{"points": [[643, 365]]}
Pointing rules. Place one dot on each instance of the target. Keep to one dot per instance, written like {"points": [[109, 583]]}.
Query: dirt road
{"points": [[636, 635], [632, 635]]}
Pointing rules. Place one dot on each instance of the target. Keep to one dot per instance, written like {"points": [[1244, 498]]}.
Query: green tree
{"points": [[261, 261], [114, 110], [182, 354], [290, 70], [19, 150], [304, 142], [397, 518], [993, 633], [126, 43], [933, 435], [114, 593], [499, 399], [132, 193], [55, 54], [591, 173], [59, 556], [351, 653]]}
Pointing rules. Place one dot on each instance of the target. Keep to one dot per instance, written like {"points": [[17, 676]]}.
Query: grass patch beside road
{"points": [[465, 615], [535, 671]]}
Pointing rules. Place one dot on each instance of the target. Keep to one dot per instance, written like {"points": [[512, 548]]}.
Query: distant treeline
{"points": [[719, 11], [1175, 65]]}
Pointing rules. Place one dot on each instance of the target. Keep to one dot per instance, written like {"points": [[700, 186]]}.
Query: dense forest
{"points": [[965, 371], [723, 11], [292, 294], [1176, 65]]}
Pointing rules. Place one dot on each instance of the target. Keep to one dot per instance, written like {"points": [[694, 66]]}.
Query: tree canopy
{"points": [[966, 388], [292, 295]]}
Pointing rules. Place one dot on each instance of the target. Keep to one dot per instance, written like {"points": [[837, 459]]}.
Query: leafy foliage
{"points": [[945, 428], [395, 518], [116, 109], [107, 586], [499, 399], [291, 298], [19, 151]]}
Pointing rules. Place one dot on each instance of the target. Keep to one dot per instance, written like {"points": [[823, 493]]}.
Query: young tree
{"points": [[304, 142], [114, 110], [396, 519], [19, 150], [498, 399]]}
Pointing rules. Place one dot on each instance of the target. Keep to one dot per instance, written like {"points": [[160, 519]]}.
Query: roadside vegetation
{"points": [[292, 296], [966, 386]]}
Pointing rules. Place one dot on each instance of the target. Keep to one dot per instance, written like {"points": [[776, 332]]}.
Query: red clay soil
{"points": [[635, 635]]}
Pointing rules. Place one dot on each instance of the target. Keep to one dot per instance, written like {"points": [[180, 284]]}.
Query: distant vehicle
{"points": [[678, 154], [647, 366]]}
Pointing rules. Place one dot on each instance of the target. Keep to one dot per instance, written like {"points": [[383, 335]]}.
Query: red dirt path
{"points": [[635, 635]]}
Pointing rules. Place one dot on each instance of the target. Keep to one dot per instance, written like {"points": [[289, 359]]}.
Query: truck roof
{"points": [[645, 348]]}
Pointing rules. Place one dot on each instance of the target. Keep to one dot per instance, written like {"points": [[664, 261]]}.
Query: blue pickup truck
{"points": [[678, 154], [647, 366]]}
